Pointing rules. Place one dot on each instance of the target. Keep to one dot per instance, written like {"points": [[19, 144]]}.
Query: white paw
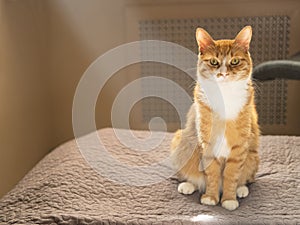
{"points": [[242, 191], [186, 188], [230, 204], [208, 201]]}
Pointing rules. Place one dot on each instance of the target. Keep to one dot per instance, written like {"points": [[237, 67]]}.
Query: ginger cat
{"points": [[217, 152]]}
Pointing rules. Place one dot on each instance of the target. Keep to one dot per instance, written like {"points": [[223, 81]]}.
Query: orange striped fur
{"points": [[217, 152]]}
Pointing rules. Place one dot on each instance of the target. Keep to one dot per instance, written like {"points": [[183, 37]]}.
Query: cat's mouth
{"points": [[222, 79]]}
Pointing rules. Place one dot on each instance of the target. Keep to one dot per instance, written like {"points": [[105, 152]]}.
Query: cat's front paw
{"points": [[242, 191], [230, 204], [186, 188], [208, 200]]}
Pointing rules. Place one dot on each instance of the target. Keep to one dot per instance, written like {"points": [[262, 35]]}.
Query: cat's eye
{"points": [[214, 62], [235, 61]]}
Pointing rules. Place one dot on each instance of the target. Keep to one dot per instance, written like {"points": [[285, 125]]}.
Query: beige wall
{"points": [[79, 33], [25, 113], [45, 47]]}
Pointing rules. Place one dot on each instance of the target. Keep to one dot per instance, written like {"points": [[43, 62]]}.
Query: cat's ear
{"points": [[243, 38], [204, 40]]}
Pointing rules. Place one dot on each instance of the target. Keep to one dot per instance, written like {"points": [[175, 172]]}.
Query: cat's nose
{"points": [[222, 74]]}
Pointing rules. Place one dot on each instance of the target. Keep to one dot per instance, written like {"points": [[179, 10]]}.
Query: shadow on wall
{"points": [[45, 48], [80, 33], [25, 115]]}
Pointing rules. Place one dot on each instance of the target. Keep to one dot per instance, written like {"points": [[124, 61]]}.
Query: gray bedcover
{"points": [[63, 189]]}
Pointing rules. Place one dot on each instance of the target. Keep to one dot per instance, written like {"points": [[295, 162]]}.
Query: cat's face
{"points": [[224, 60]]}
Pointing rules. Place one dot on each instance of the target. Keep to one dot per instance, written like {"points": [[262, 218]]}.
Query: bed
{"points": [[64, 189]]}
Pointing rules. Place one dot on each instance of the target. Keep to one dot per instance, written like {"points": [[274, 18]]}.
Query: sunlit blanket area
{"points": [[64, 189]]}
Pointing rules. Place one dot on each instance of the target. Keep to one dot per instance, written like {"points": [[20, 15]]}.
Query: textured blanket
{"points": [[64, 189]]}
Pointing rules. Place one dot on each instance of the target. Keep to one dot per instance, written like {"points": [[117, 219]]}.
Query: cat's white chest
{"points": [[220, 147], [225, 98], [218, 141], [227, 101]]}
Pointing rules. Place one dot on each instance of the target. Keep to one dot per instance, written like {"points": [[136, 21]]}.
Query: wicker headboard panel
{"points": [[276, 36], [270, 41]]}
